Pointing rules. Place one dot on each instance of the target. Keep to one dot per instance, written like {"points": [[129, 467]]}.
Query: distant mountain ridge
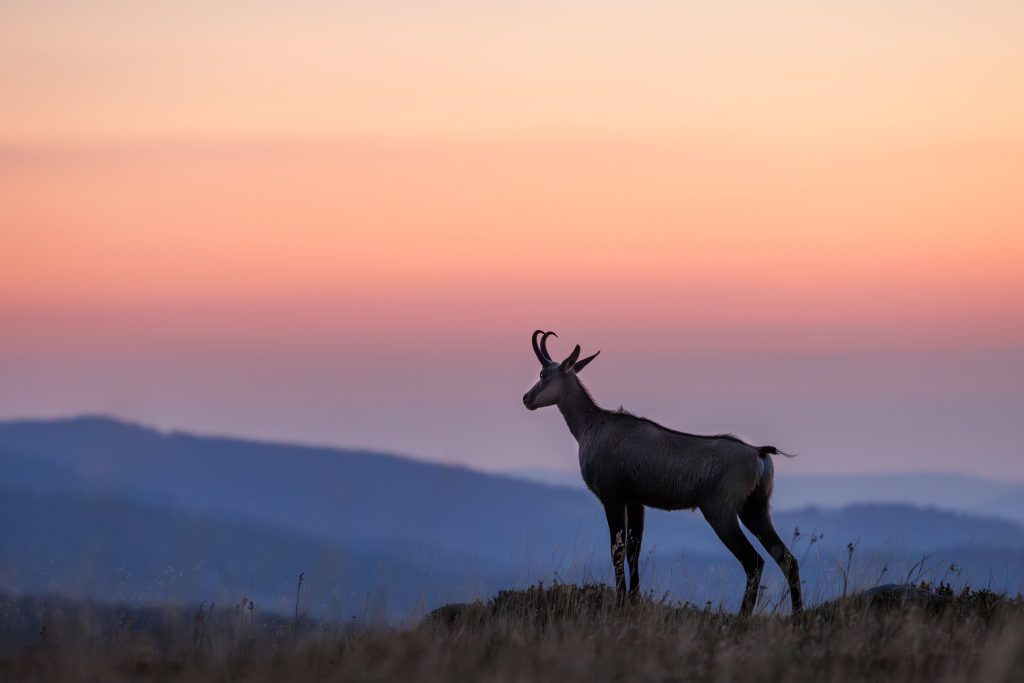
{"points": [[112, 509], [960, 492]]}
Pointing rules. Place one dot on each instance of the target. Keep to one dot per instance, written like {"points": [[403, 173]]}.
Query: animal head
{"points": [[554, 376]]}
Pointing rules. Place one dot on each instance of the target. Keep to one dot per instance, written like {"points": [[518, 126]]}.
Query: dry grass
{"points": [[559, 633]]}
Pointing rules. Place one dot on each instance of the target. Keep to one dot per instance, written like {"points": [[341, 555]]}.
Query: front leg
{"points": [[634, 537], [616, 515]]}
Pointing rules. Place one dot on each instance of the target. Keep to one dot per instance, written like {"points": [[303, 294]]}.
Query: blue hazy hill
{"points": [[102, 508]]}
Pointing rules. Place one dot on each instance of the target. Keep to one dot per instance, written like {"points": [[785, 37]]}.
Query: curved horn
{"points": [[536, 348], [544, 345]]}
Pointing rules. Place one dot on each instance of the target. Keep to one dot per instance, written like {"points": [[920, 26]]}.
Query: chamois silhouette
{"points": [[630, 463]]}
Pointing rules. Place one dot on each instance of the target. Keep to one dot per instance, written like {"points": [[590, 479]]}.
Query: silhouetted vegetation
{"points": [[560, 632]]}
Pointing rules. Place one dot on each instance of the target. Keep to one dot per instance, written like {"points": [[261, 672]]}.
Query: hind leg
{"points": [[727, 526], [756, 518]]}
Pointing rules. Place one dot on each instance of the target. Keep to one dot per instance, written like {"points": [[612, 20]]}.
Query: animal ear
{"points": [[571, 359], [583, 363]]}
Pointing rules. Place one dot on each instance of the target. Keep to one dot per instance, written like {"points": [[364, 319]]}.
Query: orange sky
{"points": [[180, 181]]}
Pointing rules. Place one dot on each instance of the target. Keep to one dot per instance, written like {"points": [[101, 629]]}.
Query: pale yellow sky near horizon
{"points": [[849, 74]]}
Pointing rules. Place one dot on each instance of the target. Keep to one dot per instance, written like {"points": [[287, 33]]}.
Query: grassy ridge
{"points": [[561, 633]]}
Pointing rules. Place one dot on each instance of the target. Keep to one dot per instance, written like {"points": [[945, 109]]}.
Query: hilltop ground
{"points": [[561, 633]]}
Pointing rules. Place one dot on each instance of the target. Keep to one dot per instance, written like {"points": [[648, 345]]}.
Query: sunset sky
{"points": [[338, 223]]}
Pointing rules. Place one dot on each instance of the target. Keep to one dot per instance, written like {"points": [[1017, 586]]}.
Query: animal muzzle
{"points": [[528, 401]]}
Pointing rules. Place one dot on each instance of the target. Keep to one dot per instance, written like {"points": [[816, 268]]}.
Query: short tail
{"points": [[764, 451]]}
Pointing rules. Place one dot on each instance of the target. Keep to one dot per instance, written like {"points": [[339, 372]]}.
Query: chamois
{"points": [[630, 463]]}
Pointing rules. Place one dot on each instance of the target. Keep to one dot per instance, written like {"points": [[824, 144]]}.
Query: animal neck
{"points": [[577, 407]]}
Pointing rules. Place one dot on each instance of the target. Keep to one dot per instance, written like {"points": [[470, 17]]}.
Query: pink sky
{"points": [[318, 223]]}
